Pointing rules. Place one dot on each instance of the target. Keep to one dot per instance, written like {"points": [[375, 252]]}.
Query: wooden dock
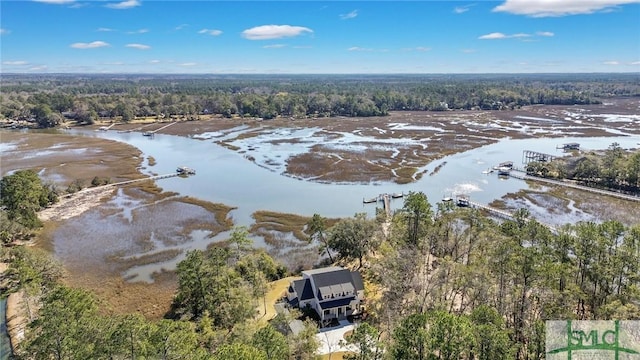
{"points": [[522, 175], [121, 183], [503, 214], [105, 128], [531, 156], [162, 128], [153, 132], [385, 199]]}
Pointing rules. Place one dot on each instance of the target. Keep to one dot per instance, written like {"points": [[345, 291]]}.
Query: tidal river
{"points": [[225, 176]]}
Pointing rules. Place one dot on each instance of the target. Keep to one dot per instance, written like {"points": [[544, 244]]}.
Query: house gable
{"points": [[303, 289], [332, 291]]}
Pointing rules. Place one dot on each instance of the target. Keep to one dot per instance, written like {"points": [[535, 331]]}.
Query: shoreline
{"points": [[76, 204], [429, 136], [15, 317], [79, 203]]}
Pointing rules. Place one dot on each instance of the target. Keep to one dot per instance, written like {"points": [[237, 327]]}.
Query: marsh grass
{"points": [[152, 258], [220, 211], [437, 168], [405, 175], [267, 223], [282, 231], [228, 146]]}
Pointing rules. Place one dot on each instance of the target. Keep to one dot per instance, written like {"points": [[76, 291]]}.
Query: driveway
{"points": [[330, 338]]}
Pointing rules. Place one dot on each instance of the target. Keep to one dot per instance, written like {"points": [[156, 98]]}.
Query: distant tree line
{"points": [[48, 99]]}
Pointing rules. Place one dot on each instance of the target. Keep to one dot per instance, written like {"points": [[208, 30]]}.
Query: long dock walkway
{"points": [[386, 198], [164, 127], [521, 174], [493, 211], [96, 188], [505, 215]]}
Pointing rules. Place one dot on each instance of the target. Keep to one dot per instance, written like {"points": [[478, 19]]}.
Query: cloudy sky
{"points": [[136, 36]]}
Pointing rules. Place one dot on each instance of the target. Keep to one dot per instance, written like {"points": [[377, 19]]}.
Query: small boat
{"points": [[462, 200], [569, 146], [504, 171], [397, 195], [369, 201], [488, 171], [146, 133], [185, 170]]}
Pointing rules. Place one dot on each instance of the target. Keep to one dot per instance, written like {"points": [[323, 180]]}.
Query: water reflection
{"points": [[225, 176]]}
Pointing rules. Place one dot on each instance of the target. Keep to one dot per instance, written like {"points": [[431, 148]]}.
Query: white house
{"points": [[333, 292]]}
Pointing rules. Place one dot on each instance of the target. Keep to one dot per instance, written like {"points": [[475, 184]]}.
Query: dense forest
{"points": [[49, 99], [443, 283]]}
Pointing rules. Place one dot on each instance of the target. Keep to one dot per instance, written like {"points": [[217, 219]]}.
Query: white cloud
{"points": [[266, 32], [127, 4], [138, 46], [350, 15], [544, 8], [15, 63], [545, 33], [274, 46], [612, 62], [499, 35], [469, 51], [55, 2], [418, 48], [154, 61], [492, 36], [635, 63], [104, 29], [38, 68], [181, 26], [462, 9], [212, 32], [91, 45], [141, 31], [188, 64], [117, 63], [362, 49], [4, 31]]}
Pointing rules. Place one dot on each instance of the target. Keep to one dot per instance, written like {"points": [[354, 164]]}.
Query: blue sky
{"points": [[137, 36]]}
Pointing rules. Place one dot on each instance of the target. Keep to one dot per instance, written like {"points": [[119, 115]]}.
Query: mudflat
{"points": [[61, 159], [331, 150], [394, 147]]}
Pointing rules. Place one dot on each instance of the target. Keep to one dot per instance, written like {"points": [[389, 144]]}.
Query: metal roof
{"points": [[336, 303]]}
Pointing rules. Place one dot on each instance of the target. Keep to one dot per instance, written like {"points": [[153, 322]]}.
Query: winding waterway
{"points": [[225, 176]]}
